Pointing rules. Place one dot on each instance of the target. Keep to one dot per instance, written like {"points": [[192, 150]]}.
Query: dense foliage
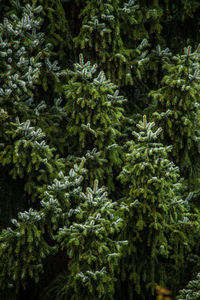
{"points": [[99, 149]]}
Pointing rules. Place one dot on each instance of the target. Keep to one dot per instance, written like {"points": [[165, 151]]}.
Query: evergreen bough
{"points": [[29, 157], [32, 235], [192, 290], [136, 44], [93, 110], [152, 186], [93, 252], [83, 226], [177, 106]]}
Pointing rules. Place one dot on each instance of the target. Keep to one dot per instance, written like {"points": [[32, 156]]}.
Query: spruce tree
{"points": [[22, 54], [32, 233], [21, 50], [25, 61], [137, 45], [29, 157], [93, 112], [81, 224], [100, 34], [151, 189], [177, 108], [28, 69], [111, 30], [93, 253], [192, 290]]}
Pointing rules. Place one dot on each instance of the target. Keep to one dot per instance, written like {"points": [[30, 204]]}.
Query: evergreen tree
{"points": [[24, 59], [28, 70], [152, 186], [48, 112], [192, 290], [92, 251], [177, 106], [111, 30], [21, 48], [94, 114], [32, 234], [100, 34], [83, 228], [29, 157]]}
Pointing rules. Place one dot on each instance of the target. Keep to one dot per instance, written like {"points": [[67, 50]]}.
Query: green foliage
{"points": [[28, 70], [177, 106], [100, 34], [57, 31], [66, 239], [29, 156], [21, 53], [92, 251], [81, 224], [192, 290], [110, 30], [152, 187], [32, 236], [94, 114], [23, 249]]}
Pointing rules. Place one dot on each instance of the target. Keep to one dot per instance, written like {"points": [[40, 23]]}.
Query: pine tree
{"points": [[152, 186]]}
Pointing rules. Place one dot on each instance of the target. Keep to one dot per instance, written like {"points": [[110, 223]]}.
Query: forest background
{"points": [[99, 149]]}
